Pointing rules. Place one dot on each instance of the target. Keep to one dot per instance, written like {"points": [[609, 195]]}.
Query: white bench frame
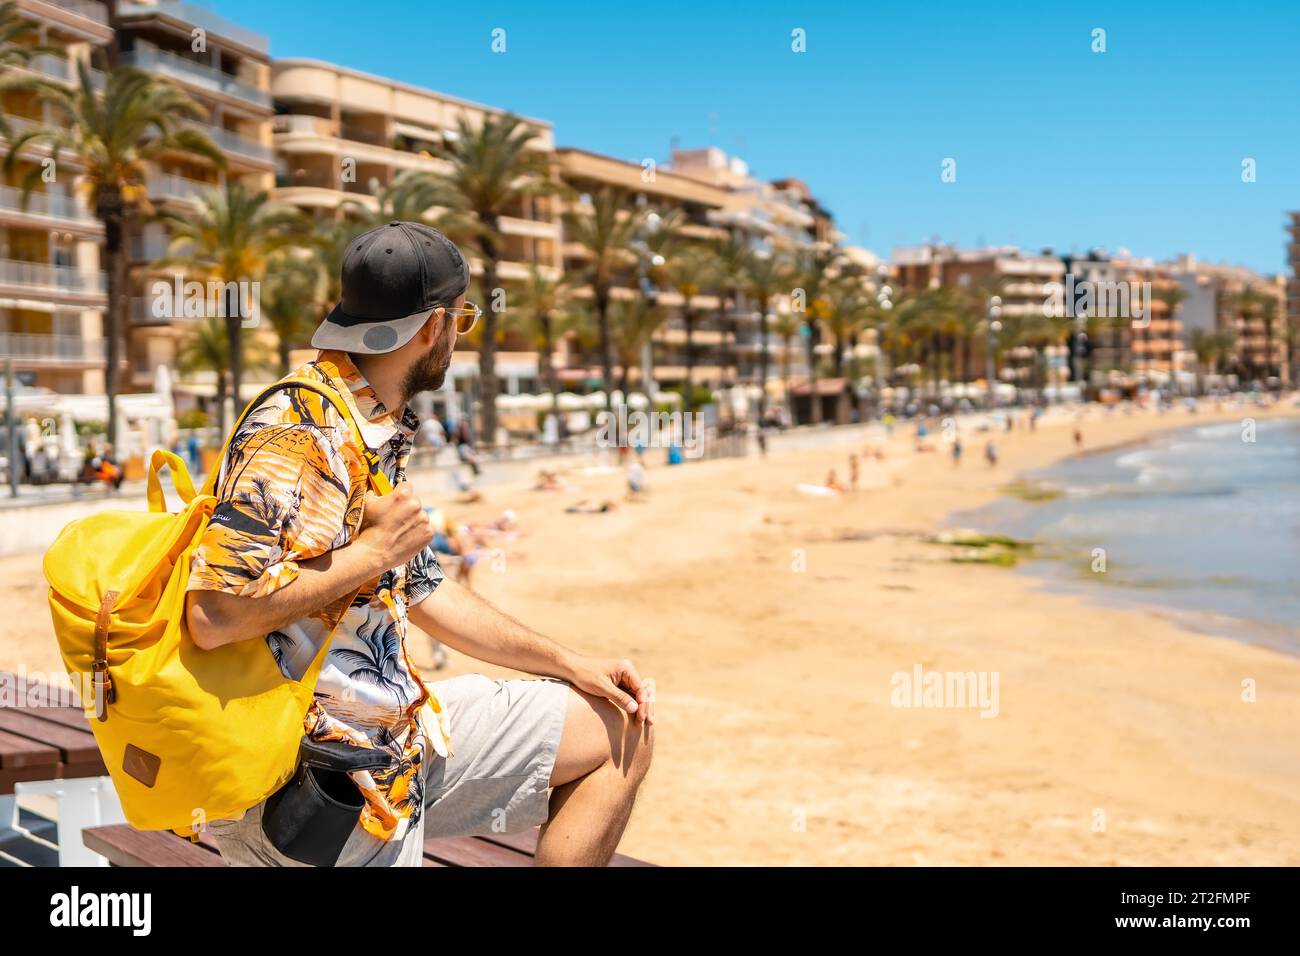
{"points": [[81, 801]]}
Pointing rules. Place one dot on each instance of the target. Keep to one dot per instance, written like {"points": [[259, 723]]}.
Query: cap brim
{"points": [[349, 334]]}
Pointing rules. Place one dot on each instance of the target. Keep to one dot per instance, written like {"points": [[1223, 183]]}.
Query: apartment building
{"points": [[778, 217], [664, 191], [52, 287], [341, 136], [1253, 308], [716, 198], [226, 69], [1033, 342], [53, 290]]}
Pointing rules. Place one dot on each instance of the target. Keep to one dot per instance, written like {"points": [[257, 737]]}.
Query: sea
{"points": [[1202, 522]]}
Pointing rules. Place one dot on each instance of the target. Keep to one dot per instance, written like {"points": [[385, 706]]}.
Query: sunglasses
{"points": [[466, 318]]}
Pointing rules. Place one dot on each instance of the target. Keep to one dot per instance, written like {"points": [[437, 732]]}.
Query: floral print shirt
{"points": [[292, 487]]}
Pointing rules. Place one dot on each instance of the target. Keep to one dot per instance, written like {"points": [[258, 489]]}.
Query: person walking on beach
{"points": [[956, 451], [853, 471], [295, 534], [991, 452], [636, 481]]}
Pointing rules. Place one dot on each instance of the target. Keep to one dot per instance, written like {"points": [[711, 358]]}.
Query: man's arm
{"points": [[461, 619], [393, 530], [216, 617]]}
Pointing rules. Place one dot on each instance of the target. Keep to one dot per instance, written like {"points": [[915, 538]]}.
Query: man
{"points": [[294, 536]]}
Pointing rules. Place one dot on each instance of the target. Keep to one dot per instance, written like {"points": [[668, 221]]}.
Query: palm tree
{"points": [[689, 273], [730, 258], [540, 311], [815, 270], [1250, 303], [848, 311], [1210, 348], [288, 296], [969, 321], [493, 172], [764, 275], [112, 137], [206, 349], [408, 198], [606, 228], [634, 323], [914, 321], [787, 327], [231, 238]]}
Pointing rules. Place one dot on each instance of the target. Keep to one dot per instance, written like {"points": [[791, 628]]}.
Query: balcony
{"points": [[194, 15], [172, 186], [55, 206], [305, 125], [357, 133], [207, 78], [27, 349], [43, 275], [83, 8], [65, 71], [234, 143]]}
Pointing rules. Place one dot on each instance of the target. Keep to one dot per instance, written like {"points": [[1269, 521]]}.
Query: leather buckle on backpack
{"points": [[102, 688], [101, 680]]}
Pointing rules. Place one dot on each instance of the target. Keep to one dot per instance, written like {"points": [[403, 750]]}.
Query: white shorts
{"points": [[504, 734]]}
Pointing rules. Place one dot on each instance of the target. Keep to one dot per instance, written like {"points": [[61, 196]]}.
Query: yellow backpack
{"points": [[188, 735]]}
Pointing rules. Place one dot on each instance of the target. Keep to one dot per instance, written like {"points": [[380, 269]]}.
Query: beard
{"points": [[429, 371]]}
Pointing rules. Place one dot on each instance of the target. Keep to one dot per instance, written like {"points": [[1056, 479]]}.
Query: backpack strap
{"points": [[379, 482]]}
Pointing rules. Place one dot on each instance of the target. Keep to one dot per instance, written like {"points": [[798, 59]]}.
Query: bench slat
{"points": [[525, 841], [77, 746], [71, 717], [123, 845], [18, 752], [471, 851]]}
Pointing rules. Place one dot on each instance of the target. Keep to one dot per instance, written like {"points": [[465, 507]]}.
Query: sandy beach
{"points": [[774, 621]]}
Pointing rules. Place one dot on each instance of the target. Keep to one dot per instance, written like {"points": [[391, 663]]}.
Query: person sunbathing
{"points": [[586, 507], [547, 481]]}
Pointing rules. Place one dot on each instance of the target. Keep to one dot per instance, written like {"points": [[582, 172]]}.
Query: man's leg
{"points": [[603, 757]]}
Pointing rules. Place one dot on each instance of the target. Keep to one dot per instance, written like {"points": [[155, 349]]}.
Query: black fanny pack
{"points": [[310, 818]]}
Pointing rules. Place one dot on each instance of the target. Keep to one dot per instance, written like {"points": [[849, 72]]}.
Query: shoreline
{"points": [[774, 623], [1050, 570]]}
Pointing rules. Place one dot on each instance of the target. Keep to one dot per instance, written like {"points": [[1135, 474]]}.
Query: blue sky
{"points": [[1140, 147]]}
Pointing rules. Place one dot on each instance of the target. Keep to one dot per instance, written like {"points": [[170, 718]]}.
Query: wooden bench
{"points": [[45, 743], [55, 743], [48, 748], [124, 845]]}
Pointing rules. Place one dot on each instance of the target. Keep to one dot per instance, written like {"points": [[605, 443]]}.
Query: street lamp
{"points": [[990, 361], [884, 299]]}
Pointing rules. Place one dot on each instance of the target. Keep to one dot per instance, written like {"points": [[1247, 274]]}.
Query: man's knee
{"points": [[631, 742], [638, 749]]}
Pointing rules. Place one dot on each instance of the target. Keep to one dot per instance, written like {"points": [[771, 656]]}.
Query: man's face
{"points": [[429, 371]]}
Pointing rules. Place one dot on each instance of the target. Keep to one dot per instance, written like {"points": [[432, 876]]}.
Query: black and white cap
{"points": [[393, 277]]}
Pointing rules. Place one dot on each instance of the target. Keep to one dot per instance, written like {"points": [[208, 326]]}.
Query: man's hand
{"points": [[617, 681], [394, 526], [461, 619]]}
